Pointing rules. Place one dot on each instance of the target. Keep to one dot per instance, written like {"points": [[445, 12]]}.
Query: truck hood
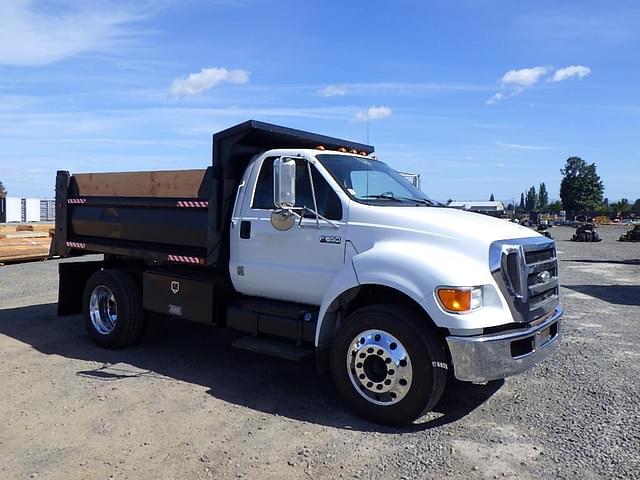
{"points": [[472, 232]]}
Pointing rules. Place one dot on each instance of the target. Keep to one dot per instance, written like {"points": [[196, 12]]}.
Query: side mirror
{"points": [[284, 182]]}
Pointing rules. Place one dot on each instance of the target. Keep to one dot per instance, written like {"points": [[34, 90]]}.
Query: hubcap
{"points": [[379, 367], [103, 310]]}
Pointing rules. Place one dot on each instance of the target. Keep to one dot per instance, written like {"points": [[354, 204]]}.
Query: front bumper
{"points": [[490, 357]]}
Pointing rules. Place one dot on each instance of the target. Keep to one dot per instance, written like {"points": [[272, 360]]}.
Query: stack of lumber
{"points": [[23, 242]]}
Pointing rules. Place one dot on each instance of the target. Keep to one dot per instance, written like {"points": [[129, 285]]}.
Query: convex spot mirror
{"points": [[284, 183], [282, 220]]}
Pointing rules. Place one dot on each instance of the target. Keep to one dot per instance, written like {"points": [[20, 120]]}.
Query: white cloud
{"points": [[373, 113], [571, 71], [333, 91], [524, 77], [514, 82], [495, 98], [517, 81], [519, 146], [33, 35], [196, 83]]}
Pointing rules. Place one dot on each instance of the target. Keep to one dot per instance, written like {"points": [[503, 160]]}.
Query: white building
{"points": [[480, 207]]}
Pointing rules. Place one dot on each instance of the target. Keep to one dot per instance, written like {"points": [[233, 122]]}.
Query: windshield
{"points": [[371, 181]]}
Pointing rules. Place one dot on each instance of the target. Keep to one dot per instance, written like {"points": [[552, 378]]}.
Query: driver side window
{"points": [[329, 204]]}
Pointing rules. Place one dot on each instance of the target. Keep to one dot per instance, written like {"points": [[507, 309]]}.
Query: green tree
{"points": [[543, 197], [581, 188], [623, 206], [521, 207], [492, 198], [3, 191], [531, 201], [555, 207], [636, 207]]}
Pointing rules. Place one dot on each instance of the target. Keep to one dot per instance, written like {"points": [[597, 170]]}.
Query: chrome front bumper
{"points": [[490, 357]]}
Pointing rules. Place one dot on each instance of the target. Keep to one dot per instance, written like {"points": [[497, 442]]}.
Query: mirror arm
{"points": [[313, 194], [333, 225]]}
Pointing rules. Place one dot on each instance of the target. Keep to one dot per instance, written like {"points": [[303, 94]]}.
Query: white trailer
{"points": [[14, 209], [31, 210]]}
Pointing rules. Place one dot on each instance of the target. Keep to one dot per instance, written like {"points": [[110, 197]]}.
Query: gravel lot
{"points": [[184, 404]]}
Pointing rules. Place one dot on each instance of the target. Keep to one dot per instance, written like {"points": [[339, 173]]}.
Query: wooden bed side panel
{"points": [[165, 183]]}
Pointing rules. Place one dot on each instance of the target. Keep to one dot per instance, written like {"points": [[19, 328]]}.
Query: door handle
{"points": [[245, 229]]}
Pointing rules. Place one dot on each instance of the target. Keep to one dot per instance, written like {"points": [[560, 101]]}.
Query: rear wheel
{"points": [[388, 365], [113, 314]]}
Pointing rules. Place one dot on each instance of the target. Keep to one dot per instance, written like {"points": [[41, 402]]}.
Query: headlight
{"points": [[459, 299]]}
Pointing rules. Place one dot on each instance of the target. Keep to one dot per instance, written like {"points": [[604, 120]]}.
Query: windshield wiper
{"points": [[391, 196], [422, 201]]}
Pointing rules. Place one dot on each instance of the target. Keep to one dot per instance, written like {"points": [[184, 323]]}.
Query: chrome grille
{"points": [[542, 281], [526, 270]]}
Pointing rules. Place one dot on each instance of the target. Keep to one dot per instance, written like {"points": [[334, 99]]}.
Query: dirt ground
{"points": [[185, 405]]}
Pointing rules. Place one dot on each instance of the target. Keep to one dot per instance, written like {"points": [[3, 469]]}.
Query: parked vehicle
{"points": [[587, 232], [632, 235], [311, 247]]}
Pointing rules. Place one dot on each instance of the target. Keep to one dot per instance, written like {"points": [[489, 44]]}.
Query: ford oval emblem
{"points": [[544, 277]]}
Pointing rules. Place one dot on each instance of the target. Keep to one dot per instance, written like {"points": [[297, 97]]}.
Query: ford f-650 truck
{"points": [[311, 246]]}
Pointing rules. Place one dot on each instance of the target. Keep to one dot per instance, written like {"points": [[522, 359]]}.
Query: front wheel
{"points": [[388, 365]]}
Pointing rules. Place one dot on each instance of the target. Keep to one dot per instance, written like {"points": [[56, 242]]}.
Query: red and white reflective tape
{"points": [[192, 204], [76, 245], [185, 259], [76, 200]]}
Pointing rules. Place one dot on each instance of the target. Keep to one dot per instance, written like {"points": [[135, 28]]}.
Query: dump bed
{"points": [[179, 216]]}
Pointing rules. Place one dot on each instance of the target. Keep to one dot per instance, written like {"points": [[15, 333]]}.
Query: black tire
{"points": [[129, 325], [428, 362]]}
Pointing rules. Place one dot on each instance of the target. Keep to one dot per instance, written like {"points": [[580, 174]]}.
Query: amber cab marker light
{"points": [[455, 300], [342, 149], [320, 147]]}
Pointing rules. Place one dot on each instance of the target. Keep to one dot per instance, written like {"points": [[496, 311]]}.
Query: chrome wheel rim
{"points": [[379, 367], [103, 310]]}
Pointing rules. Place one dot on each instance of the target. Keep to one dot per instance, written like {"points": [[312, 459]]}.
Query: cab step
{"points": [[272, 348]]}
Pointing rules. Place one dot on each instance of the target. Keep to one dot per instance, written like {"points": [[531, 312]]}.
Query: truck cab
{"points": [[316, 246]]}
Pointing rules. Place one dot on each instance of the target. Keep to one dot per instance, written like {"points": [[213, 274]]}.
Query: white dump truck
{"points": [[310, 246]]}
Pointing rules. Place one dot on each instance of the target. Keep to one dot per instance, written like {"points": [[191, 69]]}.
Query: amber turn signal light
{"points": [[455, 300], [460, 300]]}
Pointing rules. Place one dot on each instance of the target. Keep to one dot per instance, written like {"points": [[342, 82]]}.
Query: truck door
{"points": [[295, 265]]}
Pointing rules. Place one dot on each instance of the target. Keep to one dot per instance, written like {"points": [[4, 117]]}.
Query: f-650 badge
{"points": [[330, 239]]}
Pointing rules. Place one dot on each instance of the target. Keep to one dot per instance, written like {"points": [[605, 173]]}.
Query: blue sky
{"points": [[479, 97]]}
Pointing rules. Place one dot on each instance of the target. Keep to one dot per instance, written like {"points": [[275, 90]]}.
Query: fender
{"points": [[344, 281], [416, 270]]}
